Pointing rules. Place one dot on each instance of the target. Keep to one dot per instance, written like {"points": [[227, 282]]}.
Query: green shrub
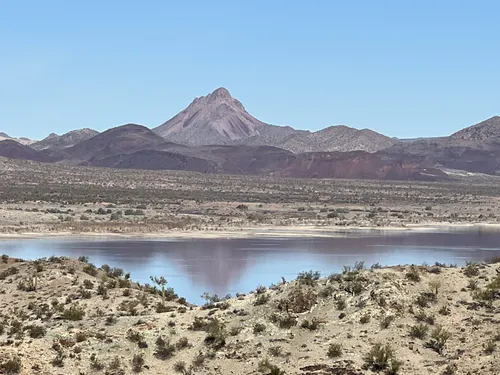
{"points": [[11, 366], [334, 350]]}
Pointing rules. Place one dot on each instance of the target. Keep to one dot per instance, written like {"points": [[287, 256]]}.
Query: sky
{"points": [[402, 68]]}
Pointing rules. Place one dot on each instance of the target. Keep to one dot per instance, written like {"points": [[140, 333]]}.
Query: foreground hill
{"points": [[67, 316]]}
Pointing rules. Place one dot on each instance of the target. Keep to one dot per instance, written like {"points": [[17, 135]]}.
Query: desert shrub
{"points": [[438, 339], [95, 363], [134, 336], [308, 278], [36, 331], [490, 346], [275, 351], [182, 343], [419, 331], [298, 300], [164, 350], [5, 258], [83, 259], [413, 274], [425, 298], [198, 360], [216, 334], [451, 369], [90, 269], [11, 366], [283, 321], [471, 269], [138, 362], [262, 299], [115, 363], [268, 368], [74, 312], [386, 321], [334, 350], [435, 285], [365, 319], [382, 357], [341, 303], [259, 328], [311, 325]]}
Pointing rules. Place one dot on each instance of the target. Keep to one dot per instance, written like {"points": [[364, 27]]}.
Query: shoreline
{"points": [[259, 232]]}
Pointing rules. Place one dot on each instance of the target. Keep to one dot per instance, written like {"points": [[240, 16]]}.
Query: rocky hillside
{"points": [[337, 138], [59, 142], [486, 131], [61, 315]]}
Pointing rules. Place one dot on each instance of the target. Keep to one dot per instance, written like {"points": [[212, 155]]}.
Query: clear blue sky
{"points": [[404, 68]]}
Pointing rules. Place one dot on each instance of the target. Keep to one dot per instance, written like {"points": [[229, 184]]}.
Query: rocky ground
{"points": [[65, 316], [48, 198]]}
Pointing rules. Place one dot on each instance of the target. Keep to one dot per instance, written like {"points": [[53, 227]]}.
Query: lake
{"points": [[223, 266]]}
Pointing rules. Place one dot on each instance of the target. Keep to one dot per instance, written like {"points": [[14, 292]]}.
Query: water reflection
{"points": [[238, 265]]}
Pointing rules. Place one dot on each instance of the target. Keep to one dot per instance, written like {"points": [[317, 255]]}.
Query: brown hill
{"points": [[59, 142], [213, 119]]}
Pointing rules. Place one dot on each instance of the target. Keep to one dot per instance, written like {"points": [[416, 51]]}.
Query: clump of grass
{"points": [[334, 350], [438, 339], [382, 357], [180, 366], [182, 343], [419, 331]]}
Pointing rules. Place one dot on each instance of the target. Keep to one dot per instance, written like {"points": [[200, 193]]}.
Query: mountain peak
{"points": [[220, 93], [213, 119]]}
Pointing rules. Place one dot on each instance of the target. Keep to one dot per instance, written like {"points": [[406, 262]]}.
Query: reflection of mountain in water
{"points": [[223, 265]]}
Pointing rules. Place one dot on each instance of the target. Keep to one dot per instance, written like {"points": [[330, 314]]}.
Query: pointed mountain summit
{"points": [[217, 118]]}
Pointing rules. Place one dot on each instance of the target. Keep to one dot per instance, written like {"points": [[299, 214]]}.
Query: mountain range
{"points": [[215, 134]]}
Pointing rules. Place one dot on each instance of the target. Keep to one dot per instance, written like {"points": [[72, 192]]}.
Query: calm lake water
{"points": [[224, 266]]}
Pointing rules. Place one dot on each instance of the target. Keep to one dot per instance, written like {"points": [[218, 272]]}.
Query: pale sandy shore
{"points": [[261, 232]]}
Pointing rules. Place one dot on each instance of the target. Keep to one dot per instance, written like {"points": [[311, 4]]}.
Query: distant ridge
{"points": [[59, 142]]}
